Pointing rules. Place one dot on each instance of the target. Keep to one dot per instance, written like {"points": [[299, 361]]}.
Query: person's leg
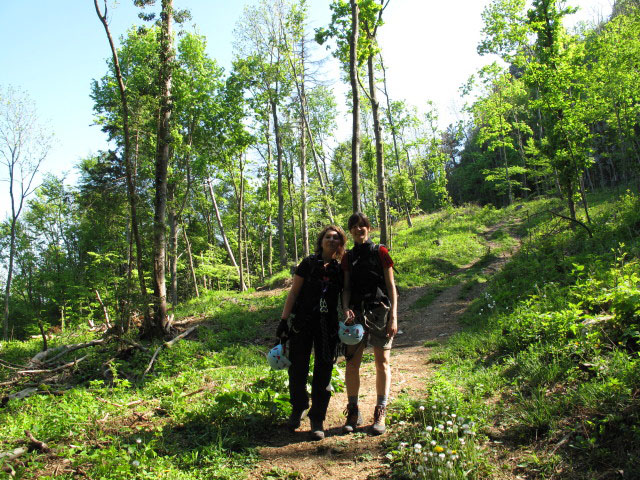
{"points": [[383, 384], [352, 383], [352, 369], [321, 383], [299, 353], [383, 370]]}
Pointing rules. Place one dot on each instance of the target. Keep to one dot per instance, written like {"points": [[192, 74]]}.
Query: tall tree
{"points": [[24, 145], [129, 169], [355, 97], [259, 52], [160, 325], [371, 20]]}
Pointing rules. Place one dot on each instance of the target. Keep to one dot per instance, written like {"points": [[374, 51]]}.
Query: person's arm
{"points": [[392, 324], [346, 298], [294, 291]]}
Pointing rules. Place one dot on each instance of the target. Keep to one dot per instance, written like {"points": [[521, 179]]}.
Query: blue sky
{"points": [[53, 49]]}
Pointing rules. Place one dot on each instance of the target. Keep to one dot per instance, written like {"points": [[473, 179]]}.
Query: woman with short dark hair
{"points": [[310, 321], [369, 298]]}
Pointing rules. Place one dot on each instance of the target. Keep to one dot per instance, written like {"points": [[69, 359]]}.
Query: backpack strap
{"points": [[377, 251]]}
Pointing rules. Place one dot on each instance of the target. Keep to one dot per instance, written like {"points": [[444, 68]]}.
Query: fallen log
{"points": [[34, 444], [52, 370], [57, 352], [13, 454], [134, 344], [27, 392]]}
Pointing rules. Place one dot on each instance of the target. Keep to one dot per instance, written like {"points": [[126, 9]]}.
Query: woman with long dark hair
{"points": [[310, 321]]}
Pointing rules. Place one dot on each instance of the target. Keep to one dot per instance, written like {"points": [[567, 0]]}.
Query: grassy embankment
{"points": [[544, 382]]}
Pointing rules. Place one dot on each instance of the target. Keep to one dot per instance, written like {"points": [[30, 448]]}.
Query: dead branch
{"points": [[58, 352], [135, 344], [8, 365], [27, 392], [140, 416], [36, 444], [153, 359], [135, 402], [168, 344], [574, 220], [13, 454], [201, 389], [53, 370], [104, 309]]}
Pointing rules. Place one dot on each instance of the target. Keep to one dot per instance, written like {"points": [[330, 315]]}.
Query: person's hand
{"points": [[392, 326], [282, 331], [349, 316]]}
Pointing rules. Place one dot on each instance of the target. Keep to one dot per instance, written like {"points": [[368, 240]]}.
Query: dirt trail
{"points": [[360, 455]]}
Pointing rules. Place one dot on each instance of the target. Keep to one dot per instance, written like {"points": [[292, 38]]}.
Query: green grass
{"points": [[549, 361], [197, 414]]}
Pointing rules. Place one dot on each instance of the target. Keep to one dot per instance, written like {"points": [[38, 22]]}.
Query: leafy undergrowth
{"points": [[197, 414], [548, 367]]}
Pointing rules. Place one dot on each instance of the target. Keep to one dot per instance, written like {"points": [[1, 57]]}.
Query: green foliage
{"points": [[198, 414], [553, 346]]}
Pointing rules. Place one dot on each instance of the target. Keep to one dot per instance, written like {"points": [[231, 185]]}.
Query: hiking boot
{"points": [[378, 427], [354, 419], [295, 419], [317, 430]]}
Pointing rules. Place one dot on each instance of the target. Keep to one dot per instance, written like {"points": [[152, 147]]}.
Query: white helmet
{"points": [[350, 334], [277, 357]]}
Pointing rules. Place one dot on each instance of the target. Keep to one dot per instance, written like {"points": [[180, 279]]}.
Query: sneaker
{"points": [[378, 427], [317, 430], [354, 419], [295, 419]]}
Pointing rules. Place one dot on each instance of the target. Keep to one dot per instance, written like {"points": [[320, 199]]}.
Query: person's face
{"points": [[360, 233], [331, 241]]}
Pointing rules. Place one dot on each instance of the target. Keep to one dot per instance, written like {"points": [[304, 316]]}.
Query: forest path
{"points": [[360, 455]]}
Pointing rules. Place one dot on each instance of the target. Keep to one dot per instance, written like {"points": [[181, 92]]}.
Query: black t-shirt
{"points": [[320, 282]]}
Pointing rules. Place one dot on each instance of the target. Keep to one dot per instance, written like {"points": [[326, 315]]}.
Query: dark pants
{"points": [[300, 347]]}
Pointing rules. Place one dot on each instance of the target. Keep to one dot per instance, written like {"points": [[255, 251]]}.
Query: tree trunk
{"points": [[303, 189], [173, 249], [246, 255], [12, 253], [240, 211], [131, 194], [583, 195], [506, 171], [353, 78], [261, 261], [269, 217], [190, 257], [381, 197], [279, 155], [395, 140], [293, 216], [307, 127], [225, 240], [160, 325]]}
